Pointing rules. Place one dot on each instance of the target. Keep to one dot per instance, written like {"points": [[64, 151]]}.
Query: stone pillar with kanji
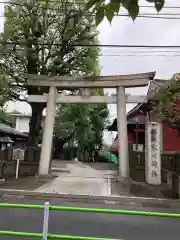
{"points": [[153, 156]]}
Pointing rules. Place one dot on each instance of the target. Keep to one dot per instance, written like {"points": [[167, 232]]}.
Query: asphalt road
{"points": [[90, 224]]}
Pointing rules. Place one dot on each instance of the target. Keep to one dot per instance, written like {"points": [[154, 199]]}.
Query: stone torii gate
{"points": [[120, 82]]}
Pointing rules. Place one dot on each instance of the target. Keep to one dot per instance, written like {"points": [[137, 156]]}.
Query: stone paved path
{"points": [[82, 179]]}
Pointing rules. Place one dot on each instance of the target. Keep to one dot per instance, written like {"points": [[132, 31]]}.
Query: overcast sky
{"points": [[143, 31]]}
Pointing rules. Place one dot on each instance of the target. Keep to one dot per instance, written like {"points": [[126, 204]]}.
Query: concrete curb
{"points": [[123, 200]]}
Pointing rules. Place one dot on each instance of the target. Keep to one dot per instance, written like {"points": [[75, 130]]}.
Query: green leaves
{"points": [[4, 114], [133, 9], [125, 3], [159, 4], [109, 10], [115, 5], [91, 3], [166, 102], [86, 121], [99, 15]]}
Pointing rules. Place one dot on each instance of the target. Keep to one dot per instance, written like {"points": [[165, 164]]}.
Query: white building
{"points": [[21, 122]]}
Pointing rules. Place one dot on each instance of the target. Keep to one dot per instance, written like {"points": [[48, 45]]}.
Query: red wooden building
{"points": [[137, 119]]}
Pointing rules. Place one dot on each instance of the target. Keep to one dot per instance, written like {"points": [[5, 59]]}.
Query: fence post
{"points": [[179, 186], [169, 180], [46, 221]]}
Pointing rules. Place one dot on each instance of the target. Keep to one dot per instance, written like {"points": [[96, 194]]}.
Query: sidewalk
{"points": [[96, 180], [83, 179], [84, 183]]}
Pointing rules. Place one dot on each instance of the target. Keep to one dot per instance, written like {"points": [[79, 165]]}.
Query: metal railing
{"points": [[47, 208]]}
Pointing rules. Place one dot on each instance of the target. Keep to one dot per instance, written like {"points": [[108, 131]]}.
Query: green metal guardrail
{"points": [[47, 207]]}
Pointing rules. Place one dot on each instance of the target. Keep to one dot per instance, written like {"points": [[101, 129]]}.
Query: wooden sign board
{"points": [[18, 154]]}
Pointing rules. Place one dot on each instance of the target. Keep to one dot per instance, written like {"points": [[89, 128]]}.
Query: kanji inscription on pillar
{"points": [[154, 153]]}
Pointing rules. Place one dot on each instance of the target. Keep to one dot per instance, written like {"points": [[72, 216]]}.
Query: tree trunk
{"points": [[34, 129], [37, 108]]}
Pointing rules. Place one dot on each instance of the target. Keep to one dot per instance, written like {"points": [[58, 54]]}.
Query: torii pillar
{"points": [[122, 134], [46, 147]]}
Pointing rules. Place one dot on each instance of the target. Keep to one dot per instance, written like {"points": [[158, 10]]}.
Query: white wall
{"points": [[22, 123]]}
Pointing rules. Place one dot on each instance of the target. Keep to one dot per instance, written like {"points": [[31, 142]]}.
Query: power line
{"points": [[151, 51], [80, 3], [135, 55], [109, 52], [126, 15], [159, 14], [141, 14], [97, 45], [139, 53], [126, 55], [147, 17], [139, 46], [166, 7], [70, 3]]}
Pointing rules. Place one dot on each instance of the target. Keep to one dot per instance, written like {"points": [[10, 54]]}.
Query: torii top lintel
{"points": [[132, 80]]}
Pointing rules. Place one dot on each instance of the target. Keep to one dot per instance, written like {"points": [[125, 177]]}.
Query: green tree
{"points": [[110, 8], [5, 91], [166, 102], [84, 122], [40, 37], [5, 96], [4, 115]]}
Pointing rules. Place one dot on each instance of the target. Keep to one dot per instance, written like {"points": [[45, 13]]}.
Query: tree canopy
{"points": [[41, 37], [109, 9], [83, 122], [167, 102], [4, 115]]}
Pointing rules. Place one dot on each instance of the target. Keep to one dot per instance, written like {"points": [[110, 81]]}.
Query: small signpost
{"points": [[18, 155]]}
